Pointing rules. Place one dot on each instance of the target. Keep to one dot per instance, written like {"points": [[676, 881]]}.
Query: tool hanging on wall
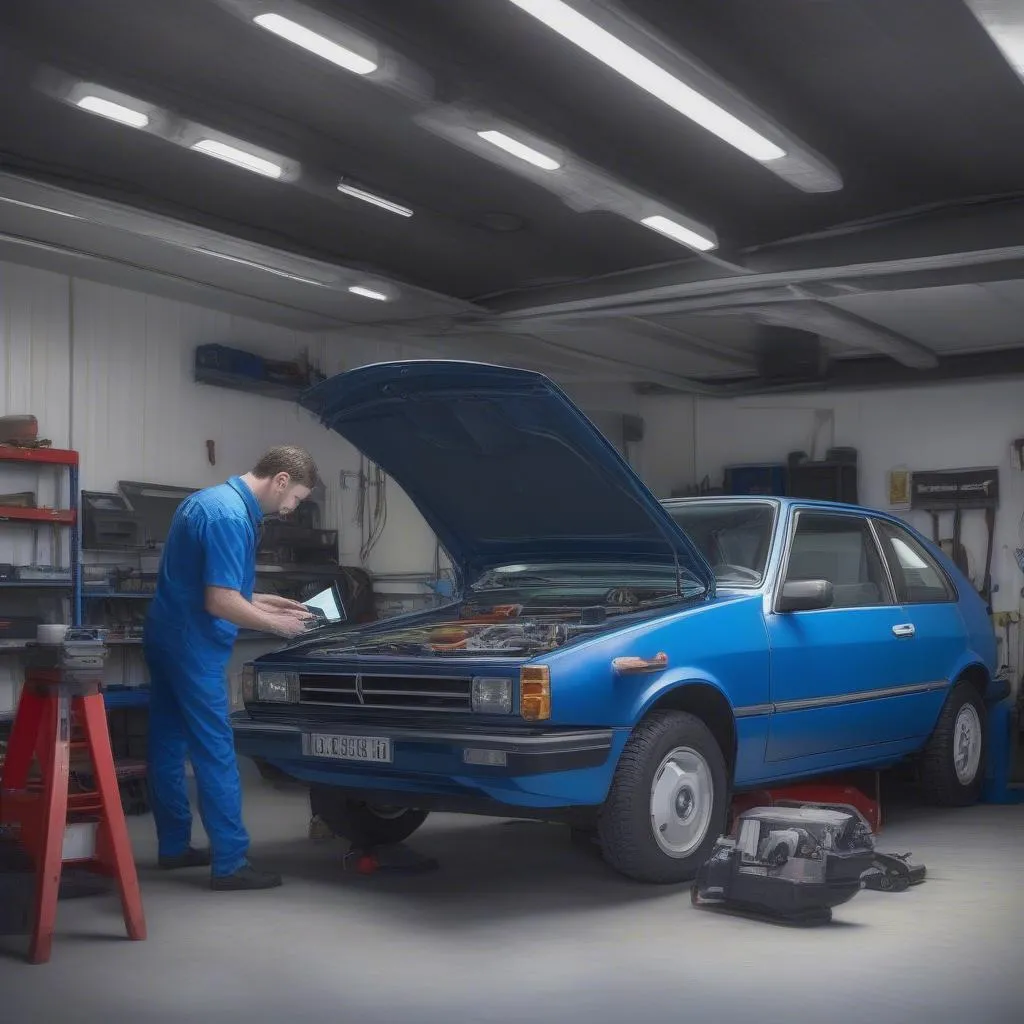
{"points": [[959, 491]]}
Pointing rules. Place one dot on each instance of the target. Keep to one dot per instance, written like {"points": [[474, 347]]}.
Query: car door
{"points": [[938, 635], [834, 670]]}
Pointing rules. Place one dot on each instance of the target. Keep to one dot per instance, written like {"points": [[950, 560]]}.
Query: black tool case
{"points": [[788, 863]]}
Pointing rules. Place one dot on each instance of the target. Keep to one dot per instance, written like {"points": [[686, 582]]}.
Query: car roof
{"points": [[753, 499]]}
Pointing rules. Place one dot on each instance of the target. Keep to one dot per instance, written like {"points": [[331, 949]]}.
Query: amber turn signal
{"points": [[535, 692]]}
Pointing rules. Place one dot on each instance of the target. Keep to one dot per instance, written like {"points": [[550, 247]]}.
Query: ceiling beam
{"points": [[515, 344], [848, 329], [677, 340], [943, 246]]}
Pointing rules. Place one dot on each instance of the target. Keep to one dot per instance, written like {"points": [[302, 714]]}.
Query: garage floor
{"points": [[520, 925]]}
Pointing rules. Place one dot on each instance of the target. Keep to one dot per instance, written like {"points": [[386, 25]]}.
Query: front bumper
{"points": [[541, 768]]}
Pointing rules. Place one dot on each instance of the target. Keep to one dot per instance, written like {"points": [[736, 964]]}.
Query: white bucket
{"points": [[48, 633]]}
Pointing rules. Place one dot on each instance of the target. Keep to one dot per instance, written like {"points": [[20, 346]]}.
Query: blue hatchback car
{"points": [[617, 663]]}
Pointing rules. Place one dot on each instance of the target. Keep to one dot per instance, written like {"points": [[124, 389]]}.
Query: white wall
{"points": [[108, 372]]}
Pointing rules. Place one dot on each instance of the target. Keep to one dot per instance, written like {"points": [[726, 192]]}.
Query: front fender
{"points": [[722, 644], [667, 682]]}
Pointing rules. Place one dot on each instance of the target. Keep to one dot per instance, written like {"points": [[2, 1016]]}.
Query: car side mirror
{"points": [[805, 596]]}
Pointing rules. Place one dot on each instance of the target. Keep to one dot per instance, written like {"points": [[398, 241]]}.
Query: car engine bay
{"points": [[504, 630]]}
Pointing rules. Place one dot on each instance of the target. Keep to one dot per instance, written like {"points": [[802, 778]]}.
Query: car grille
{"points": [[405, 693]]}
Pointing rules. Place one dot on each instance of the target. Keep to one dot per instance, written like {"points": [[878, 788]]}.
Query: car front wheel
{"points": [[363, 824], [668, 800], [953, 762]]}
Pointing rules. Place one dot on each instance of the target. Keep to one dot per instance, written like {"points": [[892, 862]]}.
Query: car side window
{"points": [[918, 577], [841, 549]]}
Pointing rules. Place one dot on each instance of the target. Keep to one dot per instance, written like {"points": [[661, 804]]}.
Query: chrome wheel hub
{"points": [[967, 744], [682, 799], [385, 811]]}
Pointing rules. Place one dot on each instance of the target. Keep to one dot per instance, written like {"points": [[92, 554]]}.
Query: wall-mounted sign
{"points": [[954, 488]]}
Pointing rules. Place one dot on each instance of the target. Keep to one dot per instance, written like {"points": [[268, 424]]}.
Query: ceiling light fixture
{"points": [[678, 233], [1004, 22], [315, 43], [518, 149], [42, 209], [114, 111], [640, 70], [368, 293], [259, 266], [238, 157], [369, 197]]}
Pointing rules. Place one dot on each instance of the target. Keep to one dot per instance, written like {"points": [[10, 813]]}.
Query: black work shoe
{"points": [[246, 877], [191, 858]]}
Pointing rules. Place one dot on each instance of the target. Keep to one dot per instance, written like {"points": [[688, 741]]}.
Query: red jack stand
{"points": [[42, 808]]}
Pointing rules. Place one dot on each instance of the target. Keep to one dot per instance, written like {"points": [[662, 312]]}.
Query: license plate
{"points": [[347, 748]]}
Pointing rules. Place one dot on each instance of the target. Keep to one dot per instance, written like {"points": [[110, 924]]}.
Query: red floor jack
{"points": [[391, 860]]}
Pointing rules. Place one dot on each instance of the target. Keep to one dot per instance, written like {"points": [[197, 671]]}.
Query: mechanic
{"points": [[204, 594]]}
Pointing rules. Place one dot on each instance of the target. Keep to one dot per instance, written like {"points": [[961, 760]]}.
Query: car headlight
{"points": [[278, 687], [492, 696]]}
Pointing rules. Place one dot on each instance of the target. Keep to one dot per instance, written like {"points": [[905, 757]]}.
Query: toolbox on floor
{"points": [[788, 863]]}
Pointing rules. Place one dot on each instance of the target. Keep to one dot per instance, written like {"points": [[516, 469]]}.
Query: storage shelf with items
{"points": [[39, 550], [123, 535]]}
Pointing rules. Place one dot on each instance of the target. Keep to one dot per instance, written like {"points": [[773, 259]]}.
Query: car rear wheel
{"points": [[953, 763], [668, 800], [361, 823]]}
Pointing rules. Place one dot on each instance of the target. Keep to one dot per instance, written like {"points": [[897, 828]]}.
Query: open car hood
{"points": [[502, 465]]}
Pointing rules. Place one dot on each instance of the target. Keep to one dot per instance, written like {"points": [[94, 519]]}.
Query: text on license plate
{"points": [[347, 748]]}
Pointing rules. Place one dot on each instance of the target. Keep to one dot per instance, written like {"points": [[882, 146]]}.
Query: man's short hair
{"points": [[287, 458]]}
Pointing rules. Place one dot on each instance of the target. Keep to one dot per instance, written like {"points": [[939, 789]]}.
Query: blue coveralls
{"points": [[212, 542]]}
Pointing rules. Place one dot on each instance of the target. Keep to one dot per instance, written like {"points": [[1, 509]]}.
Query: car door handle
{"points": [[905, 630]]}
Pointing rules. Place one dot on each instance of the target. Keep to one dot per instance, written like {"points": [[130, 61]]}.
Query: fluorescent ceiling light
{"points": [[518, 149], [369, 197], [315, 43], [1004, 22], [259, 266], [368, 293], [115, 111], [42, 209], [239, 157], [631, 64], [678, 233]]}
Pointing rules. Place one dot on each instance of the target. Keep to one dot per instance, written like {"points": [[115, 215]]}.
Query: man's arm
{"points": [[223, 603], [227, 552], [272, 602]]}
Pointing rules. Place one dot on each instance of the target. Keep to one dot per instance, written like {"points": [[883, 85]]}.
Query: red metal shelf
{"points": [[53, 456], [39, 515]]}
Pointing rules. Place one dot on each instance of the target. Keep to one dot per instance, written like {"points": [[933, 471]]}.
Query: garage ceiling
{"points": [[875, 231]]}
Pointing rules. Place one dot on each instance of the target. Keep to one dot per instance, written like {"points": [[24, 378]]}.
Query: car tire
{"points": [[953, 762], [361, 823], [668, 800]]}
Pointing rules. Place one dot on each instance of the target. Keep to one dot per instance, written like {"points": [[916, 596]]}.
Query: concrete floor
{"points": [[519, 925]]}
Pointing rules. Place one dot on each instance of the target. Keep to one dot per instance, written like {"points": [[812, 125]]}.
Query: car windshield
{"points": [[734, 537]]}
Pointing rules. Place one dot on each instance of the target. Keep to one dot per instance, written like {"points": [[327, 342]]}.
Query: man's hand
{"points": [[290, 623], [273, 603], [223, 603]]}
